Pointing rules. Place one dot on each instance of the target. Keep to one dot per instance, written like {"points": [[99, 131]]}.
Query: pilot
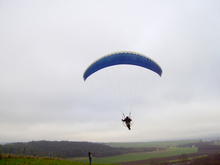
{"points": [[127, 120]]}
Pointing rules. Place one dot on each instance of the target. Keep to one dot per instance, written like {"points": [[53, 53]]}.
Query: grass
{"points": [[40, 161], [141, 156], [151, 144]]}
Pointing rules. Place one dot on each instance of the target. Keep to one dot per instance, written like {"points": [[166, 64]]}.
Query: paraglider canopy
{"points": [[123, 85], [119, 58]]}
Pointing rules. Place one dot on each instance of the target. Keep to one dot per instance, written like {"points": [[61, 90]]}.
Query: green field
{"points": [[22, 161], [150, 144], [140, 156]]}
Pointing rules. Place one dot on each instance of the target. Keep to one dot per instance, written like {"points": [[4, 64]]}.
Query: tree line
{"points": [[210, 146]]}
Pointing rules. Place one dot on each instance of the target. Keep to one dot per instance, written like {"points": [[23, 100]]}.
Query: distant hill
{"points": [[63, 149]]}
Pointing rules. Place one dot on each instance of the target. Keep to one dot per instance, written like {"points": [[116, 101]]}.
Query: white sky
{"points": [[45, 46]]}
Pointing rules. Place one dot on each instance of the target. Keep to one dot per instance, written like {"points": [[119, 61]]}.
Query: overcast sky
{"points": [[45, 47]]}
